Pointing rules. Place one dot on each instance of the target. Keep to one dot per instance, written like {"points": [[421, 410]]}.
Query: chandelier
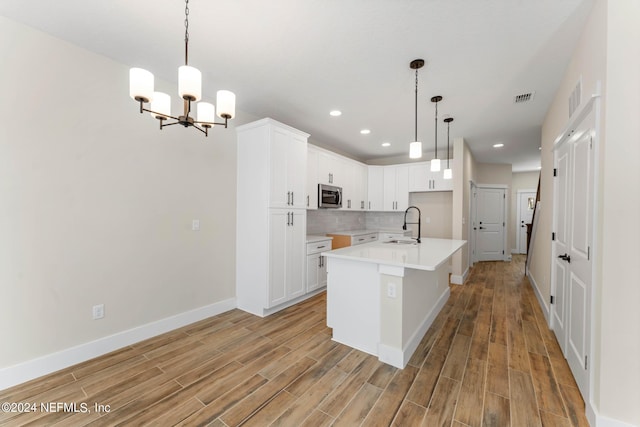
{"points": [[141, 89], [415, 147]]}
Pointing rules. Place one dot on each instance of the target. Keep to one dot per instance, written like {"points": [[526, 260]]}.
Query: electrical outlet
{"points": [[98, 311], [427, 220], [391, 290], [195, 225]]}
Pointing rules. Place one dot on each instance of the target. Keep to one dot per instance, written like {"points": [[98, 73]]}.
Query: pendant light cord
{"points": [[186, 32], [448, 125], [436, 129], [416, 109]]}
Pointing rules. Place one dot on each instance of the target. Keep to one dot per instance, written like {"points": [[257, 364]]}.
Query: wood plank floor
{"points": [[488, 360]]}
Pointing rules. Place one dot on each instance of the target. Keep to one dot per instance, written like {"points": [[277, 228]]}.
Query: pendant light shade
{"points": [[448, 173], [206, 112], [415, 147], [141, 84], [435, 163], [161, 105], [189, 83], [415, 150], [226, 104]]}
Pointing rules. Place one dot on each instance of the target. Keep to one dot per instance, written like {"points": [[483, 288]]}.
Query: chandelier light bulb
{"points": [[189, 83], [435, 165], [226, 101], [415, 150], [161, 105], [206, 112], [448, 174], [140, 84]]}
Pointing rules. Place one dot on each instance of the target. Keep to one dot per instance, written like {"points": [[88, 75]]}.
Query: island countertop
{"points": [[427, 255]]}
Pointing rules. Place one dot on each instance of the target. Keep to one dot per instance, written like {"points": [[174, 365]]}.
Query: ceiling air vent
{"points": [[525, 97]]}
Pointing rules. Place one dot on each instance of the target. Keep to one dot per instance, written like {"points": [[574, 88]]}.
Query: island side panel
{"points": [[353, 303], [405, 318]]}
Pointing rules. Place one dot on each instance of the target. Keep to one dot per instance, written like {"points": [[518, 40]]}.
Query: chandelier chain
{"points": [[186, 32]]}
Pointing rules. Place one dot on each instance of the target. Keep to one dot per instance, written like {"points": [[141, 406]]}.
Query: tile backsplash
{"points": [[323, 221]]}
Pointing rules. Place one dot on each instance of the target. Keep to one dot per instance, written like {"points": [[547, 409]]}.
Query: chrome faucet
{"points": [[404, 227]]}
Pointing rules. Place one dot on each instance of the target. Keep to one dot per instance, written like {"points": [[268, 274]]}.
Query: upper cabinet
{"points": [[422, 179], [312, 178], [284, 174], [396, 188], [325, 167], [375, 193]]}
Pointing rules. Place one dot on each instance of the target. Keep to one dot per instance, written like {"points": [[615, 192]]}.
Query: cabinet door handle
{"points": [[307, 200], [288, 219], [291, 218], [292, 202], [369, 205], [288, 198]]}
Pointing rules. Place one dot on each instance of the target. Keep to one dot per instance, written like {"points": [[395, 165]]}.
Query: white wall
{"points": [[608, 52], [96, 202]]}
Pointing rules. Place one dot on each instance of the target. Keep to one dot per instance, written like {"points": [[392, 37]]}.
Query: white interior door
{"points": [[526, 204], [572, 272], [490, 218], [561, 243], [580, 266]]}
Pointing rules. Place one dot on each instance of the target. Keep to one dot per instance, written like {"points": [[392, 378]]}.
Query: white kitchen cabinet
{"points": [[270, 216], [396, 188], [422, 179], [316, 264], [330, 169], [287, 239], [312, 178], [375, 190], [355, 186]]}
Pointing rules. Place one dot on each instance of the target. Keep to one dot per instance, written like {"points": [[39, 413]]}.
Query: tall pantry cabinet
{"points": [[271, 216]]}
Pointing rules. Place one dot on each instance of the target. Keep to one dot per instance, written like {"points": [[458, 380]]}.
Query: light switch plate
{"points": [[391, 290], [195, 225]]}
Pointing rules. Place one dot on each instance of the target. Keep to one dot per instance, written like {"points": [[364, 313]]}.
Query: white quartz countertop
{"points": [[361, 232], [315, 238], [428, 255]]}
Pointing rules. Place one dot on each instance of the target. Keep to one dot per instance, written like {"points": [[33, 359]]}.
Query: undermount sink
{"points": [[401, 242]]}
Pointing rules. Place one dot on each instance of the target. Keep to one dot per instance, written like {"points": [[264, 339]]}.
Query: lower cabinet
{"points": [[316, 264], [287, 232]]}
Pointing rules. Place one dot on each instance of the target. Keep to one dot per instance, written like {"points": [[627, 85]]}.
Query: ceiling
{"points": [[295, 60]]}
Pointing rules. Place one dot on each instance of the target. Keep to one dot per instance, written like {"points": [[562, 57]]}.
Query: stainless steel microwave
{"points": [[329, 196]]}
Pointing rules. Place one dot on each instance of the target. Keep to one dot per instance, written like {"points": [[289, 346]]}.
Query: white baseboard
{"points": [[400, 357], [459, 280], [514, 251], [536, 290], [31, 369], [598, 420]]}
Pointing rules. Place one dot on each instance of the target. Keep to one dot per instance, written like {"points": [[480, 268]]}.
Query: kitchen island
{"points": [[383, 296]]}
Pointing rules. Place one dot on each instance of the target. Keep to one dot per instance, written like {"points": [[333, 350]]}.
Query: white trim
{"points": [[31, 369], [269, 311], [459, 280], [399, 358], [598, 420], [536, 290]]}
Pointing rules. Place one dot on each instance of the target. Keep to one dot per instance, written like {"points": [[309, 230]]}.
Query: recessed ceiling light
{"points": [[499, 145], [539, 148], [386, 144], [335, 113], [365, 131]]}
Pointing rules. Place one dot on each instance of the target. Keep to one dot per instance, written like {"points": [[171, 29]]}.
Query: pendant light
{"points": [[415, 147], [190, 90], [435, 163], [448, 174]]}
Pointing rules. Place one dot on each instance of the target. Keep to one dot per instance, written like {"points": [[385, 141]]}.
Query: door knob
{"points": [[565, 257], [481, 228]]}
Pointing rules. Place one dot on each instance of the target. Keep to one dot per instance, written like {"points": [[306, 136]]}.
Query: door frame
{"points": [[506, 254], [518, 212], [594, 102]]}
